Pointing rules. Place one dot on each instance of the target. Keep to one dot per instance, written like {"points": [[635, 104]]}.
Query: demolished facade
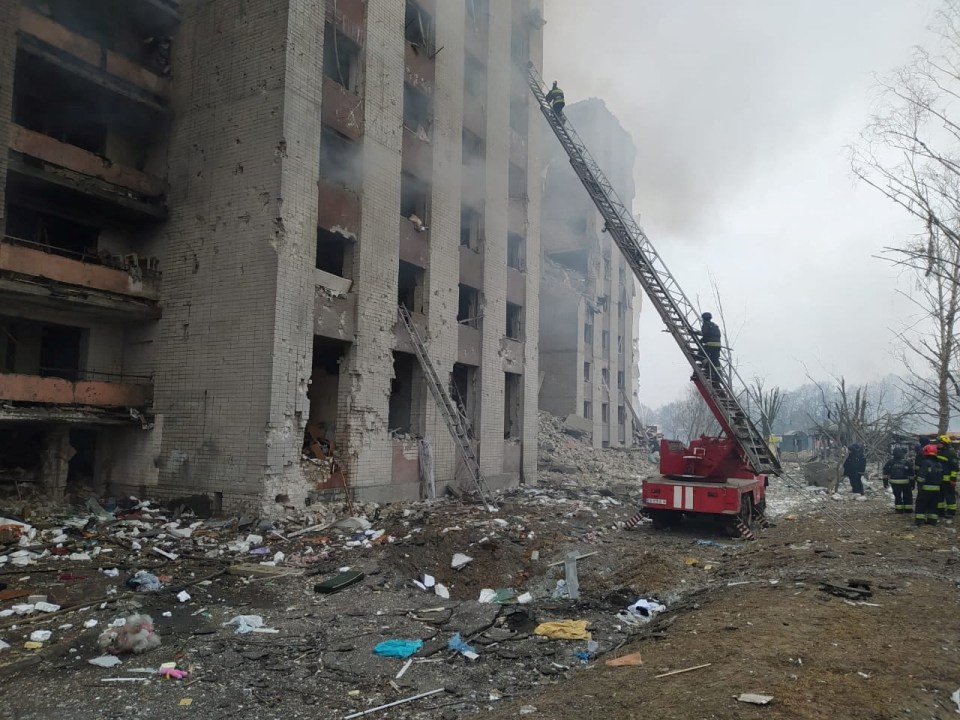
{"points": [[209, 213], [589, 305]]}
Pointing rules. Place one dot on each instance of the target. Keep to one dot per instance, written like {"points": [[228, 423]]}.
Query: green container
{"points": [[339, 582]]}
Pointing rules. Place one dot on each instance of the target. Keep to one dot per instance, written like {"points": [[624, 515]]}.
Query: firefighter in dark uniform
{"points": [[556, 99], [710, 338], [947, 504], [899, 473], [929, 478], [854, 466]]}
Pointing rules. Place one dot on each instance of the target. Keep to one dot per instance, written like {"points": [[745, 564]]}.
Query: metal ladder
{"points": [[448, 409], [640, 430], [675, 309]]}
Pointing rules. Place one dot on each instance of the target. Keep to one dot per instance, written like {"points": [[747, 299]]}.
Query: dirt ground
{"points": [[756, 612]]}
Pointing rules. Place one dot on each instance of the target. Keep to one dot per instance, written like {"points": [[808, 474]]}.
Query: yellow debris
{"points": [[564, 630]]}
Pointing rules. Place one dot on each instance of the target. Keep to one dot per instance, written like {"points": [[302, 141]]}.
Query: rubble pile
{"points": [[485, 605], [442, 606], [563, 449]]}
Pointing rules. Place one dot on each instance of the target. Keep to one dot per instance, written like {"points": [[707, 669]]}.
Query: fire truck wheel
{"points": [[746, 509], [663, 519]]}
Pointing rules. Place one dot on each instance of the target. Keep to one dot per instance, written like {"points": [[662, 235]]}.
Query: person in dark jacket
{"points": [[899, 473], [854, 467], [947, 504], [929, 478], [556, 99], [711, 339]]}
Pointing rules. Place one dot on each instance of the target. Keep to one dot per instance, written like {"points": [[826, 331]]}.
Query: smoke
{"points": [[715, 93]]}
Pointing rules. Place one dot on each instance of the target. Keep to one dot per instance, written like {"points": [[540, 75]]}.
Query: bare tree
{"points": [[770, 403], [687, 418], [910, 152], [930, 351], [857, 415]]}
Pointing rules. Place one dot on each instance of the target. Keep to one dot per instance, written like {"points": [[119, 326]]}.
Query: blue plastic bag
{"points": [[397, 648]]}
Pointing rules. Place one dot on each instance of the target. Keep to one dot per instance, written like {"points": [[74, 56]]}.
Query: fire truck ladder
{"points": [[675, 309], [640, 430], [452, 416]]}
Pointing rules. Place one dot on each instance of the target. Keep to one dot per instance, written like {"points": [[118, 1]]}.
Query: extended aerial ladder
{"points": [[454, 419], [740, 461]]}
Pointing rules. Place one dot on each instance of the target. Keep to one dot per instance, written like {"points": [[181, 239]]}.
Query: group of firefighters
{"points": [[931, 470]]}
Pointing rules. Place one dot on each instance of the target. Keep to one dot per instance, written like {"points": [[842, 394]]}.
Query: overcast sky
{"points": [[741, 111]]}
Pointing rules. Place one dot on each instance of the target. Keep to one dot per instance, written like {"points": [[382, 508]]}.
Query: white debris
{"points": [[183, 596], [250, 623], [460, 561], [40, 636], [755, 699], [105, 661]]}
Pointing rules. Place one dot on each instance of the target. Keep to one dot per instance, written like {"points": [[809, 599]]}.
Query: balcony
{"points": [[475, 115], [414, 245], [517, 216], [335, 316], [350, 18], [57, 278], [516, 287], [45, 38], [339, 210], [417, 158], [342, 109], [469, 343], [559, 236], [512, 456], [518, 149], [160, 14], [471, 268], [402, 341], [420, 68], [40, 390], [511, 355], [40, 157], [473, 192], [477, 39], [518, 85]]}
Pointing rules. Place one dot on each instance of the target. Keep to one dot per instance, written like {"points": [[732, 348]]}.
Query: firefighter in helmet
{"points": [[947, 503], [899, 472], [929, 479], [556, 99], [711, 340]]}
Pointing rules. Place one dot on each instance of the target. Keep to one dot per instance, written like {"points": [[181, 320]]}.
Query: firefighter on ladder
{"points": [[947, 504], [899, 472], [711, 339], [929, 479], [556, 100]]}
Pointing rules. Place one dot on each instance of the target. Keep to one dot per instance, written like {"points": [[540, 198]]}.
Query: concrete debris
{"points": [[106, 661], [429, 571], [460, 561], [755, 699], [561, 453]]}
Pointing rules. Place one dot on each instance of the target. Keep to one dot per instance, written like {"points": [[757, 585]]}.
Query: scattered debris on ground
{"points": [[441, 609]]}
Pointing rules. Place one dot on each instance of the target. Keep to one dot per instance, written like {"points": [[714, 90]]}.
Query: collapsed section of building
{"points": [[589, 305], [210, 212]]}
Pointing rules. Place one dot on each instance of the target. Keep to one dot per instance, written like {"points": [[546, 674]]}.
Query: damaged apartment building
{"points": [[210, 211], [589, 306]]}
